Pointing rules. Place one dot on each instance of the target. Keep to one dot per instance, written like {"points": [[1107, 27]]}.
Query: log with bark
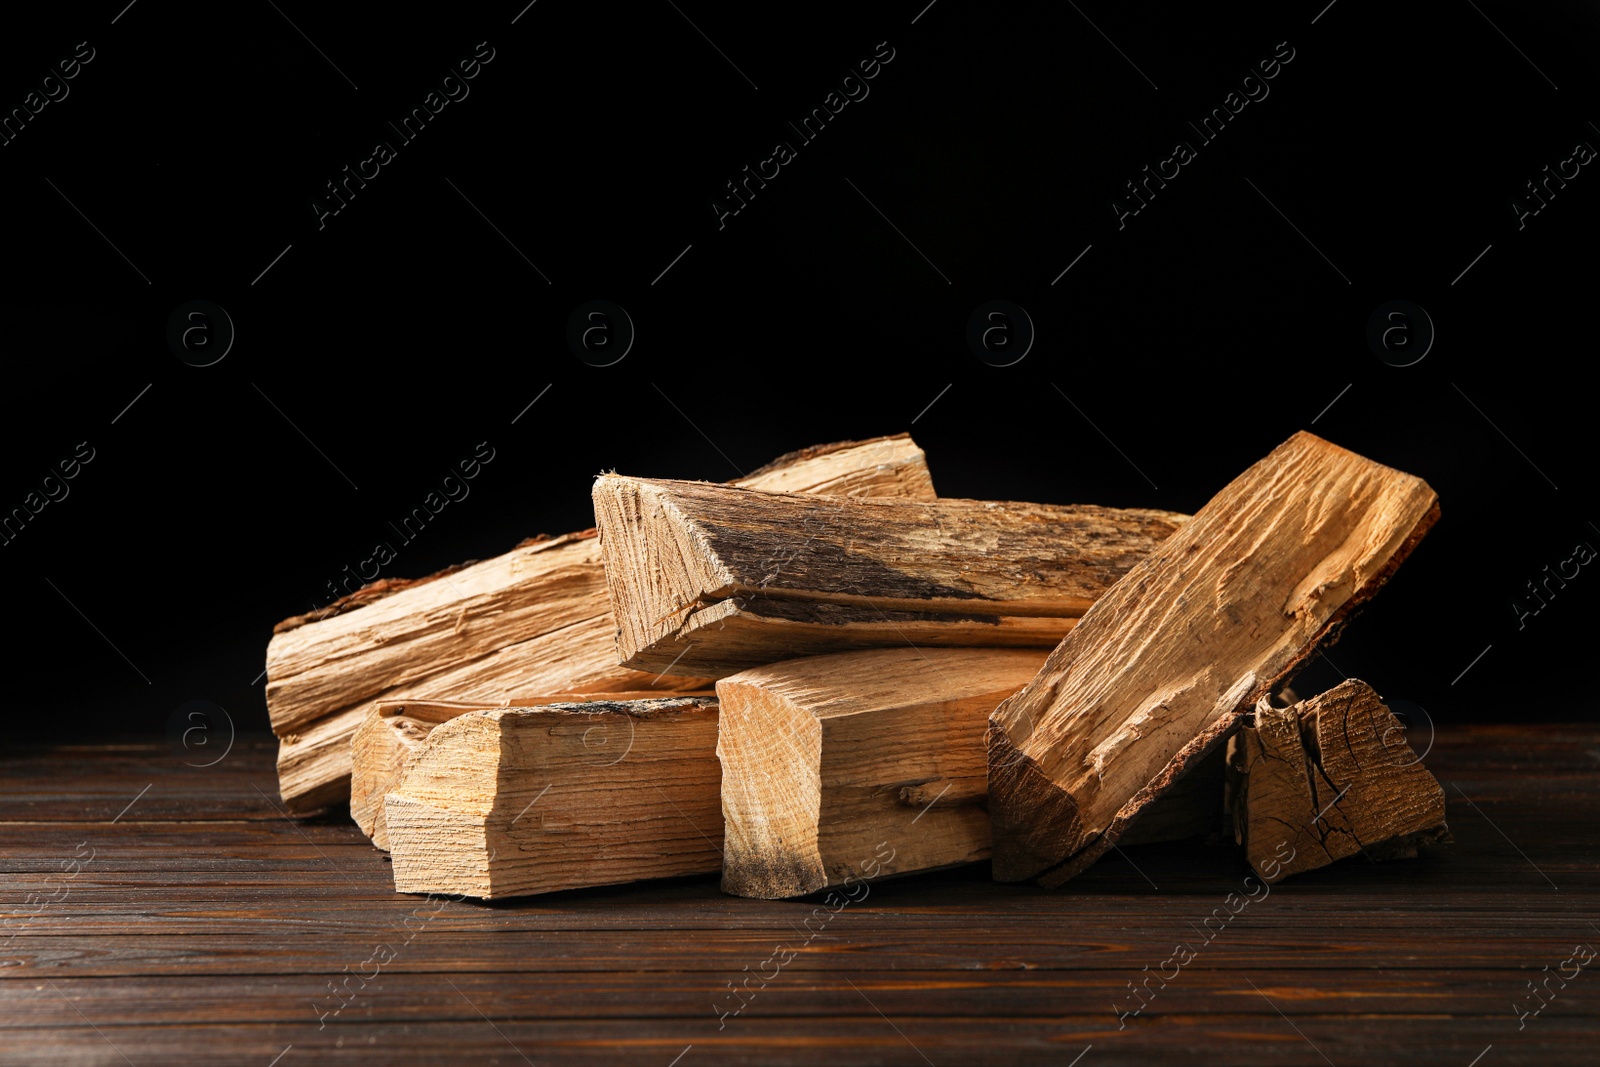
{"points": [[711, 580], [1161, 669], [509, 801], [1327, 778], [535, 619]]}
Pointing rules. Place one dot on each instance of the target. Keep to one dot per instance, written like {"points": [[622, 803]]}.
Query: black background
{"points": [[383, 347]]}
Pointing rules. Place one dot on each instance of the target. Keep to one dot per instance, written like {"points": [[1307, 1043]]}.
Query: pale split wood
{"points": [[871, 764], [717, 579], [513, 801], [1330, 777], [1161, 668], [535, 619], [826, 759], [394, 729]]}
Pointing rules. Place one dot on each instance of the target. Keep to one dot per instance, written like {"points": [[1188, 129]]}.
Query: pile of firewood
{"points": [[823, 672]]}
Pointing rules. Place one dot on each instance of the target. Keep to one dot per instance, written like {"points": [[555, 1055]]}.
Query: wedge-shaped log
{"points": [[535, 619], [510, 801], [1328, 778], [395, 729], [825, 759], [711, 580], [1162, 667]]}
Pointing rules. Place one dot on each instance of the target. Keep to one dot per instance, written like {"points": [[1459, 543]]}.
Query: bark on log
{"points": [[535, 619], [712, 580]]}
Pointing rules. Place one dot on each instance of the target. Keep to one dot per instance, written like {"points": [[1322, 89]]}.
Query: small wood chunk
{"points": [[711, 580], [1328, 778], [1163, 666], [394, 729], [536, 619], [825, 759], [505, 802]]}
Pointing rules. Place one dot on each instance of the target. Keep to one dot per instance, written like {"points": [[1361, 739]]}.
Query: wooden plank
{"points": [[207, 928], [718, 579], [511, 801], [915, 993], [534, 620], [1161, 668], [1050, 1040]]}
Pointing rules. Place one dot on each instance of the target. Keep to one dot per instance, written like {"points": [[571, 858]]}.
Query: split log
{"points": [[535, 619], [880, 754], [394, 729], [1161, 669], [825, 759], [510, 801], [711, 580], [1328, 778]]}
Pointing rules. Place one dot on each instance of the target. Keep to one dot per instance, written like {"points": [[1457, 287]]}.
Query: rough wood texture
{"points": [[535, 619], [394, 729], [1328, 778], [716, 579], [858, 765], [1161, 668], [510, 801]]}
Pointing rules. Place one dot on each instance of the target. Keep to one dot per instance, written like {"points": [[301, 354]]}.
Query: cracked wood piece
{"points": [[1162, 667], [394, 729], [717, 579], [505, 802], [825, 758], [1328, 778], [536, 619]]}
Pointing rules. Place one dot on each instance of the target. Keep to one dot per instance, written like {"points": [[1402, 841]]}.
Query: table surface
{"points": [[159, 913]]}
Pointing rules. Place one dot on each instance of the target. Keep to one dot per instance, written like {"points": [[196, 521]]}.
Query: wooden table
{"points": [[157, 913]]}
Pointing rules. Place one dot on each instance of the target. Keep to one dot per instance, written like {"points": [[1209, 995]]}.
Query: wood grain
{"points": [[1160, 670], [857, 766], [394, 730], [1331, 777], [512, 801], [207, 929], [713, 580], [533, 620]]}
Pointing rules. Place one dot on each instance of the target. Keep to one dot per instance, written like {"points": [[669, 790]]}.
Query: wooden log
{"points": [[1327, 778], [871, 764], [535, 619], [511, 801], [880, 753], [394, 729], [711, 580], [1160, 670]]}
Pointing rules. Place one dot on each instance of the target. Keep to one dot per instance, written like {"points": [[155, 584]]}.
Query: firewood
{"points": [[394, 729], [535, 619], [1328, 778], [1163, 666], [510, 801], [825, 758], [711, 580]]}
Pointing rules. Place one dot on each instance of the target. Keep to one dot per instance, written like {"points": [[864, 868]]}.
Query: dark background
{"points": [[382, 348]]}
